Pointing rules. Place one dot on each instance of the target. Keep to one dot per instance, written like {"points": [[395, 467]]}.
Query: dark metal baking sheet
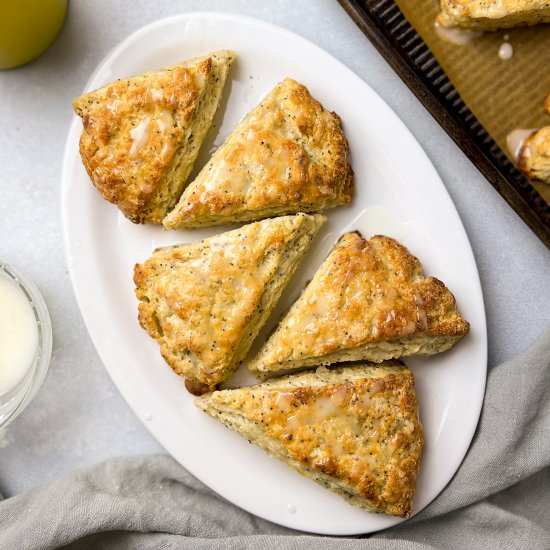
{"points": [[386, 27]]}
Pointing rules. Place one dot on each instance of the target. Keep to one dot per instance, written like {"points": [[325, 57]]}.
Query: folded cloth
{"points": [[499, 498]]}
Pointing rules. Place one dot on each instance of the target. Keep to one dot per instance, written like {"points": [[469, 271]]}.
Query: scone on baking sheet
{"points": [[142, 135], [205, 302], [533, 159], [490, 15], [534, 156], [287, 155], [354, 430], [369, 300]]}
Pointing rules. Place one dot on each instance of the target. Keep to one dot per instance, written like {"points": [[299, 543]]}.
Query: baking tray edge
{"points": [[531, 207]]}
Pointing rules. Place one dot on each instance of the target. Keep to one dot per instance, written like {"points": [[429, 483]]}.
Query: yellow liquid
{"points": [[28, 28]]}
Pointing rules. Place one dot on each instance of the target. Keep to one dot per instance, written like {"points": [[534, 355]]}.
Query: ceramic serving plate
{"points": [[398, 193]]}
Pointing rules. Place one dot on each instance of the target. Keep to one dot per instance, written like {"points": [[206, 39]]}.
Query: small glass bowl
{"points": [[17, 398]]}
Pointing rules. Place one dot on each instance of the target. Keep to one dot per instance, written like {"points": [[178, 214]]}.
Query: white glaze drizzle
{"points": [[458, 37], [139, 135], [506, 51], [515, 140]]}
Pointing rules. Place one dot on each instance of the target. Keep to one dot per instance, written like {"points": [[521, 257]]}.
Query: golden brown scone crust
{"points": [[204, 302], [534, 156], [354, 430], [134, 128], [287, 155], [366, 293], [489, 15]]}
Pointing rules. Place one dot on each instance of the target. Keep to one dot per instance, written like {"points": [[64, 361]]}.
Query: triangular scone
{"points": [[534, 155], [354, 430], [287, 155], [533, 158], [491, 15], [142, 135], [205, 302], [369, 300]]}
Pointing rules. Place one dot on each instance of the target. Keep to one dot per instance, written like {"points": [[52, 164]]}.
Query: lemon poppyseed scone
{"points": [[534, 155], [205, 302], [287, 155], [369, 300], [490, 15], [354, 430], [533, 159], [142, 135]]}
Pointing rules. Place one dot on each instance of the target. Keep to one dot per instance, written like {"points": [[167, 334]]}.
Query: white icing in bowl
{"points": [[25, 364]]}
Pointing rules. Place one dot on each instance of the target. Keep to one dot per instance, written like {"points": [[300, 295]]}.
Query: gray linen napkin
{"points": [[499, 498]]}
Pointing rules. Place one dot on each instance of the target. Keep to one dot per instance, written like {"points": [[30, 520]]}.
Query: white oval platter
{"points": [[398, 193]]}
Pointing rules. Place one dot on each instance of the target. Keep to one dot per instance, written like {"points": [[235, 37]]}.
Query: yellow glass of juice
{"points": [[28, 28]]}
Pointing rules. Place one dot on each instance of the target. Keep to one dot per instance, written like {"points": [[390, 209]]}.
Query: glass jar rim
{"points": [[42, 358]]}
